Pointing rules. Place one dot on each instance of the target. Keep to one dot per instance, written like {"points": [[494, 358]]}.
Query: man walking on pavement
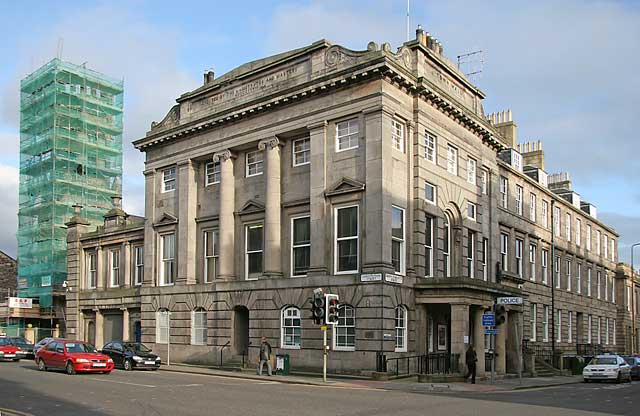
{"points": [[471, 359], [265, 356]]}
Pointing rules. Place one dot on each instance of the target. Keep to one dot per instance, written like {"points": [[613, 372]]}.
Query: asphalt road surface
{"points": [[25, 389]]}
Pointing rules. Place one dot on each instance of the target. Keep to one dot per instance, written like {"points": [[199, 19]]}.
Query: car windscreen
{"points": [[5, 341], [78, 347], [19, 341], [136, 347], [603, 361]]}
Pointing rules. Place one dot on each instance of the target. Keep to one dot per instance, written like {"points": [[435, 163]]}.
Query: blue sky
{"points": [[568, 70]]}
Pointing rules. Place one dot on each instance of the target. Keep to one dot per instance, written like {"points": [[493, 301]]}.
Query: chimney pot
{"points": [[117, 201], [77, 208]]}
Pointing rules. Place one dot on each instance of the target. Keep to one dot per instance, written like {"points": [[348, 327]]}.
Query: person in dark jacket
{"points": [[471, 359], [265, 356]]}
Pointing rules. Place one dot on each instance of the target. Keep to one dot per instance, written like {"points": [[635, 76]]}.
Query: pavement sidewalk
{"points": [[407, 384]]}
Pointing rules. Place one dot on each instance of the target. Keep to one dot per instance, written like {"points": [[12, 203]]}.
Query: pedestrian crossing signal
{"points": [[318, 308]]}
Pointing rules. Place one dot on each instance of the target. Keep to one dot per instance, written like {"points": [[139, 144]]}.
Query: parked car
{"points": [[607, 367], [9, 351], [634, 363], [73, 357], [40, 344], [130, 355], [25, 346]]}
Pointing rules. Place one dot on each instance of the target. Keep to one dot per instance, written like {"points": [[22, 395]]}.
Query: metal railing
{"points": [[589, 350], [222, 349], [432, 363]]}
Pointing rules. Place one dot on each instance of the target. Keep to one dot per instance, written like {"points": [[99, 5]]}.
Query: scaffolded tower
{"points": [[70, 153]]}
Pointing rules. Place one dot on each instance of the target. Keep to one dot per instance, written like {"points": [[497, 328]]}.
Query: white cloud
{"points": [[9, 209]]}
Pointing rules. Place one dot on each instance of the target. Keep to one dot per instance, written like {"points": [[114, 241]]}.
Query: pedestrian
{"points": [[265, 356], [471, 359]]}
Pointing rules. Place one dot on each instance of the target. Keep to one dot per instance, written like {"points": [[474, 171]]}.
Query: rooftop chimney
{"points": [[532, 154], [116, 200], [503, 122], [208, 76]]}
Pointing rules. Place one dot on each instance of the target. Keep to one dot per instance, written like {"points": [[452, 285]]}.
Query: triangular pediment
{"points": [[344, 186], [167, 218], [250, 207]]}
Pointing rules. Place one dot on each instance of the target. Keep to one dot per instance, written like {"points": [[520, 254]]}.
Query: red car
{"points": [[9, 351], [73, 357]]}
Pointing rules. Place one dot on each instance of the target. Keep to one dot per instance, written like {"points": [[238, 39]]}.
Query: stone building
{"points": [[8, 273], [375, 175]]}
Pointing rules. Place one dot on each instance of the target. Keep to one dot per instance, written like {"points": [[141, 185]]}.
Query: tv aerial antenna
{"points": [[472, 65]]}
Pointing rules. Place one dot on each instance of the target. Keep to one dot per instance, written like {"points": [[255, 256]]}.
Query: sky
{"points": [[567, 70]]}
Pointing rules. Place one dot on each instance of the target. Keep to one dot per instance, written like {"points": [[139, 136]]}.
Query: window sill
{"points": [[252, 175], [166, 284], [347, 272], [347, 149], [290, 347], [400, 350], [344, 348], [301, 164]]}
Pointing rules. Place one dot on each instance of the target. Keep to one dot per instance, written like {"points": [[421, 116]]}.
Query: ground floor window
{"points": [[344, 332], [401, 329], [162, 326], [199, 327], [291, 328]]}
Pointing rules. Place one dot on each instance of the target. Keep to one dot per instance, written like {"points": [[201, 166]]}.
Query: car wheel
{"points": [[15, 360], [618, 379], [70, 369], [41, 365], [128, 366], [586, 381], [106, 372]]}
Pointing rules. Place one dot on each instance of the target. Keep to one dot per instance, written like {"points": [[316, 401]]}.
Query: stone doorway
{"points": [[240, 330]]}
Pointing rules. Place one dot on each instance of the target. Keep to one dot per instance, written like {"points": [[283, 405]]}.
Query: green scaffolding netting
{"points": [[70, 153]]}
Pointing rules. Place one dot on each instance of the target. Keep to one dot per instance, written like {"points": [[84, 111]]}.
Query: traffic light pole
{"points": [[324, 353]]}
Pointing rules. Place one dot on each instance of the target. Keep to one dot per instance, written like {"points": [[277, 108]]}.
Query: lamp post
{"points": [[633, 304]]}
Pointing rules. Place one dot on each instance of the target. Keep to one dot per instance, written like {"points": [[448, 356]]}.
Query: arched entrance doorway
{"points": [[240, 329], [91, 333]]}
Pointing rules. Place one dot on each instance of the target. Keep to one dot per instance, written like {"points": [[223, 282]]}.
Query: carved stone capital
{"points": [[269, 143], [223, 156]]}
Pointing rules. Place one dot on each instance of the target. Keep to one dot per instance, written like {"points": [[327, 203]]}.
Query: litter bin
{"points": [[282, 364]]}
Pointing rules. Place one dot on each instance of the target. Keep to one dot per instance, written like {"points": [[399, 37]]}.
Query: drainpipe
{"points": [[553, 281]]}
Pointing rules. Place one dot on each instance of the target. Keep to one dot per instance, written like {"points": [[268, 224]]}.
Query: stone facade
{"points": [[372, 174], [8, 273]]}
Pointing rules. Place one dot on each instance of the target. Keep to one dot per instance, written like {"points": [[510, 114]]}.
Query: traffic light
{"points": [[500, 313], [318, 307], [332, 303]]}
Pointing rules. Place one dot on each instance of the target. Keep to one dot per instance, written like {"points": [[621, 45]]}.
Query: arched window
{"points": [[290, 327], [162, 326], [401, 328], [344, 332], [446, 245], [199, 327]]}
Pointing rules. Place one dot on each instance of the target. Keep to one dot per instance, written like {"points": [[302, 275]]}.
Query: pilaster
{"points": [[459, 329], [187, 210], [226, 233], [149, 278], [478, 340], [100, 269], [127, 280], [317, 203], [99, 329], [273, 211]]}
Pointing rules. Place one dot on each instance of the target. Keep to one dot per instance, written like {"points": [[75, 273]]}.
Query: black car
{"points": [[130, 355], [634, 363], [24, 345]]}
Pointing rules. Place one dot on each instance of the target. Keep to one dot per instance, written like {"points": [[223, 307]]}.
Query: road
{"points": [[24, 388]]}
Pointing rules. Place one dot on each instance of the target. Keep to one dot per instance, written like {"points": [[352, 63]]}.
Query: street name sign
{"points": [[490, 331]]}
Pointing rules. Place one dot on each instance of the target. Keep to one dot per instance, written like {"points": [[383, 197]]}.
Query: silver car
{"points": [[609, 367]]}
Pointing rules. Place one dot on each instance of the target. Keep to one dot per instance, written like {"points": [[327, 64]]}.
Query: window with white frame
{"points": [[589, 281], [397, 135], [532, 262], [599, 328], [559, 325], [533, 322], [347, 135], [212, 173], [598, 284], [504, 192], [446, 246], [162, 326], [613, 289], [401, 329], [300, 245], [169, 179], [484, 181], [606, 331], [568, 272], [138, 265], [210, 255], [606, 287], [628, 289], [92, 270], [346, 241], [344, 332], [578, 231], [254, 238], [430, 143], [570, 326], [568, 226], [199, 327], [471, 171], [556, 221], [579, 278], [544, 264], [519, 248], [598, 241], [504, 252], [556, 269], [430, 193], [397, 240], [485, 259], [471, 254], [167, 261], [589, 329], [612, 249], [588, 237], [255, 163], [291, 328], [545, 214], [613, 340], [606, 247], [545, 324], [428, 247], [452, 160], [532, 207], [471, 211], [114, 268], [301, 151], [519, 193]]}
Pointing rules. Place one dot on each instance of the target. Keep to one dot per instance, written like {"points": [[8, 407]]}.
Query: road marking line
{"points": [[122, 382], [189, 385]]}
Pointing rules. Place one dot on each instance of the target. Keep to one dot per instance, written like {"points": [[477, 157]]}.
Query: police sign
{"points": [[509, 301]]}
